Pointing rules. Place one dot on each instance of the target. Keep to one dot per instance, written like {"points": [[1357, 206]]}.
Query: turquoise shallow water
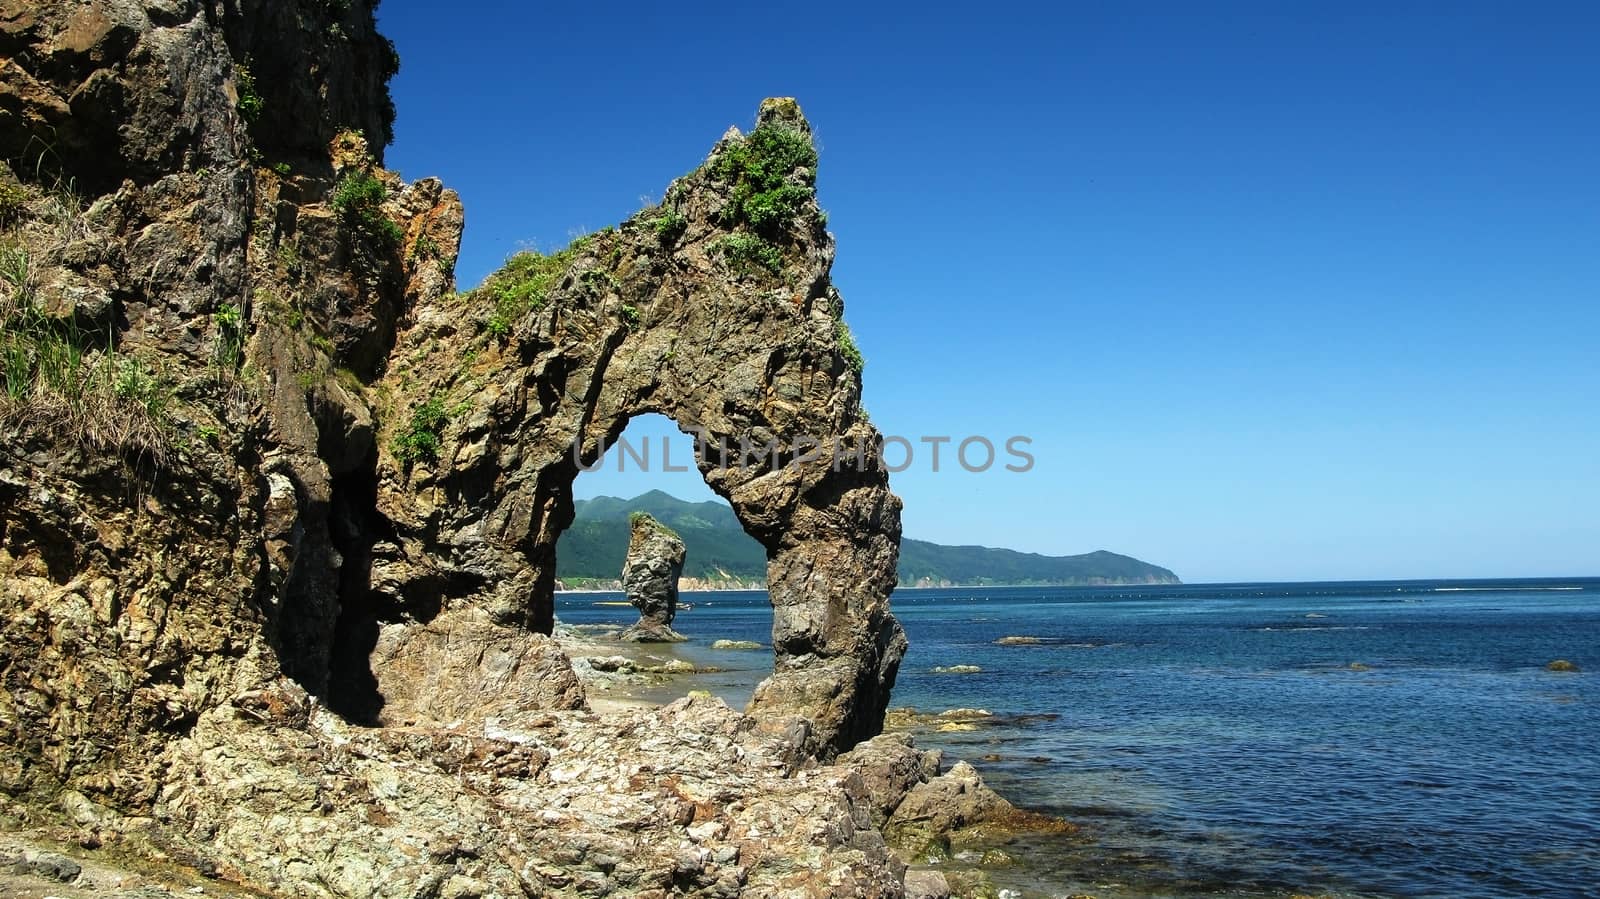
{"points": [[1217, 740]]}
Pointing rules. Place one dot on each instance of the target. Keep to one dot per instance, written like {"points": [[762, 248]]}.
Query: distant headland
{"points": [[721, 556]]}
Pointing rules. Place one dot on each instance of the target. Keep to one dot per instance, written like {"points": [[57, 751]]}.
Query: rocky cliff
{"points": [[650, 579], [278, 508], [713, 308], [204, 268]]}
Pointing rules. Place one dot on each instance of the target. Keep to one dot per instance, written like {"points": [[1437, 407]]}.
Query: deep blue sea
{"points": [[1351, 739]]}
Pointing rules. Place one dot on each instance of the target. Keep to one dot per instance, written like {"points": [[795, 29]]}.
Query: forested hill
{"points": [[720, 553]]}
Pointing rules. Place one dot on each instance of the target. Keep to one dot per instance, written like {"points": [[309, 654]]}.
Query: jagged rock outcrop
{"points": [[267, 480], [715, 309], [193, 309], [650, 575], [924, 810]]}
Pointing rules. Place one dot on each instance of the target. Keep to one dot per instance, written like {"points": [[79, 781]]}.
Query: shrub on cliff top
{"points": [[761, 169], [359, 201]]}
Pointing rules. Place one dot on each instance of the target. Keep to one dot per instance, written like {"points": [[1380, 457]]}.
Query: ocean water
{"points": [[1342, 739]]}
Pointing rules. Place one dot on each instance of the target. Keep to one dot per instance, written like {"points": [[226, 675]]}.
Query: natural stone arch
{"points": [[714, 309]]}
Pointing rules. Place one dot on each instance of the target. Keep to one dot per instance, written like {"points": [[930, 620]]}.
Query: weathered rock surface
{"points": [[890, 766], [922, 812], [690, 310], [693, 800], [650, 575], [326, 489], [926, 885], [462, 668], [957, 808], [184, 536]]}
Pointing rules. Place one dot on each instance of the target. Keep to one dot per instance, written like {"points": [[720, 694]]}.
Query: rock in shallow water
{"points": [[650, 578]]}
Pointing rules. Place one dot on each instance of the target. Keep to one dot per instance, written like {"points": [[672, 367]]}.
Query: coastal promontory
{"points": [[279, 505]]}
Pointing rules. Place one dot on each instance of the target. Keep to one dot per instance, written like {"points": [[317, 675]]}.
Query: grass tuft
{"points": [[52, 377], [747, 253], [848, 349], [523, 285]]}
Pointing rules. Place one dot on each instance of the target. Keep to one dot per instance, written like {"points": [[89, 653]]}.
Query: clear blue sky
{"points": [[1279, 292]]}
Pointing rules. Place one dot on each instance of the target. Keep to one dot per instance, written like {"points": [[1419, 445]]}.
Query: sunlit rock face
{"points": [[713, 308], [279, 508]]}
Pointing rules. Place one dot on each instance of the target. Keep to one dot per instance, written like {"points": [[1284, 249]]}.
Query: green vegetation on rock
{"points": [[250, 103], [55, 374], [763, 169], [359, 202], [13, 200], [849, 350], [419, 442], [747, 253], [523, 284], [771, 175]]}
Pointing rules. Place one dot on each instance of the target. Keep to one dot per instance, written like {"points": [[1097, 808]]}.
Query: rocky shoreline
{"points": [[611, 797], [279, 505]]}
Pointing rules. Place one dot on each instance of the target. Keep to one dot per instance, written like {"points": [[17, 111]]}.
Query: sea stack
{"points": [[650, 578]]}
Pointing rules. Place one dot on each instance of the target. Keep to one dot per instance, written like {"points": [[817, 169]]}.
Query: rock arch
{"points": [[715, 309]]}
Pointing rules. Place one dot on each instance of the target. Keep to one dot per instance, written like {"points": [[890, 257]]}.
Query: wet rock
{"points": [[736, 644], [907, 717], [1562, 665], [1018, 641], [958, 669], [956, 808], [923, 884], [650, 578], [49, 865]]}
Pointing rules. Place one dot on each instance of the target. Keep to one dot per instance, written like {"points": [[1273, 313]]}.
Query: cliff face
{"points": [[265, 478], [192, 313]]}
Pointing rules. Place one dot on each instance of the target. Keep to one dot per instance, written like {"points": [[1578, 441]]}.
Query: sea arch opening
{"points": [[722, 612]]}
